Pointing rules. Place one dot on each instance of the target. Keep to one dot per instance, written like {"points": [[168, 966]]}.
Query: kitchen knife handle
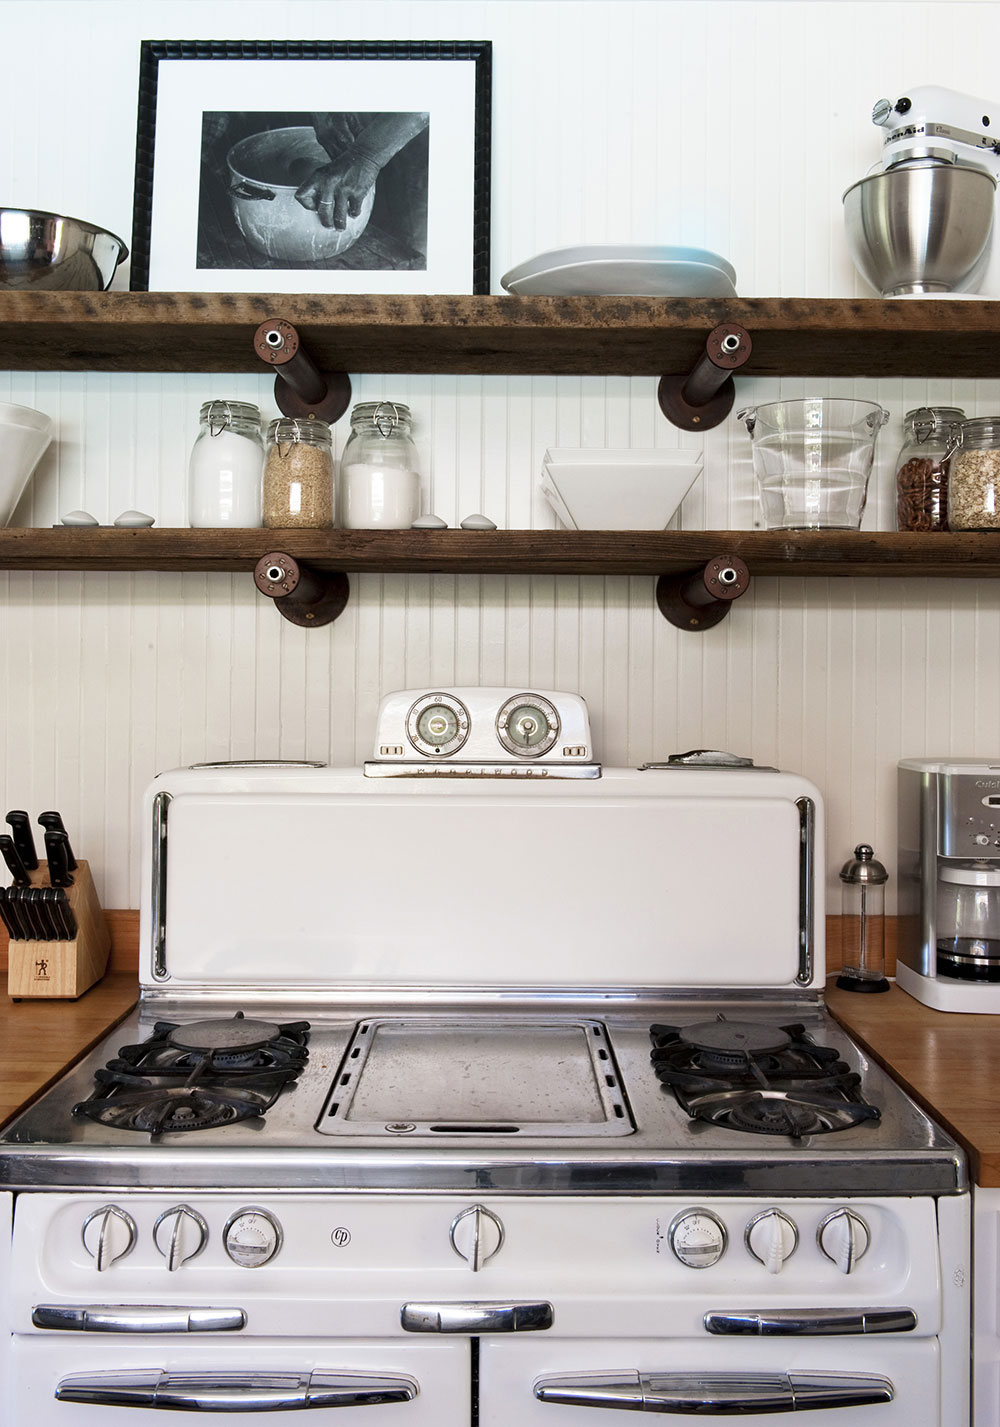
{"points": [[56, 844], [5, 915], [21, 831], [52, 822], [12, 857]]}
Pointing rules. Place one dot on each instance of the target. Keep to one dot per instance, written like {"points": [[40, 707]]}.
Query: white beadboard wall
{"points": [[732, 124]]}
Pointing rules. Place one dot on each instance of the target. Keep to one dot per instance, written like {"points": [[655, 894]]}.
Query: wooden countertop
{"points": [[948, 1061], [39, 1039]]}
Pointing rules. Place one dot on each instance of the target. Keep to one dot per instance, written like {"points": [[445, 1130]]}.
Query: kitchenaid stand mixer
{"points": [[922, 224]]}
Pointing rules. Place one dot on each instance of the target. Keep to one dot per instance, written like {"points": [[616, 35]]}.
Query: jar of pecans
{"points": [[974, 476], [922, 467], [298, 474]]}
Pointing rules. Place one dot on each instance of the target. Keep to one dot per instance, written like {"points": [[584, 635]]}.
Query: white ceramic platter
{"points": [[623, 272]]}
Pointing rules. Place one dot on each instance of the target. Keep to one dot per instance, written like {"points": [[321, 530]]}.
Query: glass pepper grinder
{"points": [[864, 880]]}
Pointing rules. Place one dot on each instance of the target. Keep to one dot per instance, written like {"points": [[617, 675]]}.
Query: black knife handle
{"points": [[20, 829], [55, 851], [12, 857], [52, 822], [5, 916], [16, 910], [65, 915]]}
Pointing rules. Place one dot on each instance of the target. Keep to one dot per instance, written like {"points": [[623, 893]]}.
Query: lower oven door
{"points": [[371, 1384], [561, 1383]]}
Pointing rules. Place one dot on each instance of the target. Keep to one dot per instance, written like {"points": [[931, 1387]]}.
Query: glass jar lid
{"points": [[980, 432], [218, 415], [923, 420], [385, 416], [286, 430]]}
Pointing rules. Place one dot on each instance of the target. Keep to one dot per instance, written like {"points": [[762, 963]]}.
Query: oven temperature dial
{"points": [[845, 1238], [698, 1238], [771, 1237], [108, 1235], [252, 1237]]}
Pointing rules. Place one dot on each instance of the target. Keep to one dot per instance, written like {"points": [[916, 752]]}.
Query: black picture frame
{"points": [[186, 246]]}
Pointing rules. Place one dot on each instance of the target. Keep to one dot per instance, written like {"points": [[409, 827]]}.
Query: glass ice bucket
{"points": [[812, 460]]}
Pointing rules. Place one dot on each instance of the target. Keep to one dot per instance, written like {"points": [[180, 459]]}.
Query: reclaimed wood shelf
{"points": [[509, 552], [627, 336]]}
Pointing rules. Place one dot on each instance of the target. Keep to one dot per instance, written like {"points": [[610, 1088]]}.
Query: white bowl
{"points": [[617, 490], [24, 437]]}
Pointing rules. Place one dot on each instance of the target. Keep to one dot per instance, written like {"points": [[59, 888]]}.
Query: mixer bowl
{"points": [[921, 228]]}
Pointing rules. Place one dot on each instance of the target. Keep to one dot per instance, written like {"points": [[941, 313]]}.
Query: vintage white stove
{"points": [[482, 1085]]}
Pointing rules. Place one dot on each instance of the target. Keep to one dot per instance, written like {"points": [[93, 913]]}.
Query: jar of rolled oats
{"points": [[974, 476], [298, 474]]}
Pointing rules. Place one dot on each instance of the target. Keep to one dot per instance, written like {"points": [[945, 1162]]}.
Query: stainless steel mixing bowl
{"points": [[921, 227], [45, 250]]}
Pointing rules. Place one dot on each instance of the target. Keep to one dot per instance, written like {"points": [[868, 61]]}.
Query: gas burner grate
{"points": [[197, 1076], [763, 1080]]}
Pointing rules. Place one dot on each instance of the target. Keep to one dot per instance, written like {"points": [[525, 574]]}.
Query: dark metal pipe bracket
{"points": [[300, 388], [704, 397], [697, 600], [307, 597]]}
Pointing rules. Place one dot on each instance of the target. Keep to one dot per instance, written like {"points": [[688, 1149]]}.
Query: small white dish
{"points": [[134, 520], [79, 518], [429, 522], [623, 271], [635, 489], [478, 522]]}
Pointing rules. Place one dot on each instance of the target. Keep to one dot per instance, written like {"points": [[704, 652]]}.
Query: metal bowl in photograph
{"points": [[46, 251]]}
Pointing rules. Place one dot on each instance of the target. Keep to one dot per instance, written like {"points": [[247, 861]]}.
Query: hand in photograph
{"points": [[358, 151]]}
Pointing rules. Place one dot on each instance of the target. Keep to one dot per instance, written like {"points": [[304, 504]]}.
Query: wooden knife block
{"points": [[62, 969]]}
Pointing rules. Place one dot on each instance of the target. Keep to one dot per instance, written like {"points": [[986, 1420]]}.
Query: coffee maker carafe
{"points": [[949, 883]]}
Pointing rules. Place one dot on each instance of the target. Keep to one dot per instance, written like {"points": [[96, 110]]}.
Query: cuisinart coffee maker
{"points": [[949, 883]]}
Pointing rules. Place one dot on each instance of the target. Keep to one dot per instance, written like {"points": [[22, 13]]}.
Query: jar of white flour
{"points": [[379, 477]]}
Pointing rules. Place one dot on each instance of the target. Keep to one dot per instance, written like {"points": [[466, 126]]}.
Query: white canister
{"points": [[379, 478], [224, 472]]}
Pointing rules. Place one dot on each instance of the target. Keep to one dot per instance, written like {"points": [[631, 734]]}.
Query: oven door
{"points": [[368, 1383], [853, 1383]]}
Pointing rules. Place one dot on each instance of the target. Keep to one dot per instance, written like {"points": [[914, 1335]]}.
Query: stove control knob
{"points": [[772, 1238], [108, 1235], [180, 1234], [698, 1238], [476, 1235], [252, 1237], [845, 1238]]}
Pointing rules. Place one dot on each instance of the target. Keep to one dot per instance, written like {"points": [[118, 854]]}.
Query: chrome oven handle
{"points": [[235, 1392], [813, 1321], [715, 1394], [136, 1318], [475, 1319]]}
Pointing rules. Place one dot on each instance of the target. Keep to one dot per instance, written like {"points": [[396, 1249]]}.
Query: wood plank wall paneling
{"points": [[124, 928], [108, 679]]}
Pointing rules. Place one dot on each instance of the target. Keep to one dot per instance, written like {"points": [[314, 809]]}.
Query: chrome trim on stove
{"points": [[537, 771], [476, 1319], [235, 1392], [136, 1318], [158, 897], [716, 1394], [812, 1322], [807, 889]]}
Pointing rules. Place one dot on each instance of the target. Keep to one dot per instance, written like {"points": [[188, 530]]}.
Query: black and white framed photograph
{"points": [[313, 166]]}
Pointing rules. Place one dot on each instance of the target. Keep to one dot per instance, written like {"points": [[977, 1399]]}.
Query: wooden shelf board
{"points": [[213, 332], [547, 552]]}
